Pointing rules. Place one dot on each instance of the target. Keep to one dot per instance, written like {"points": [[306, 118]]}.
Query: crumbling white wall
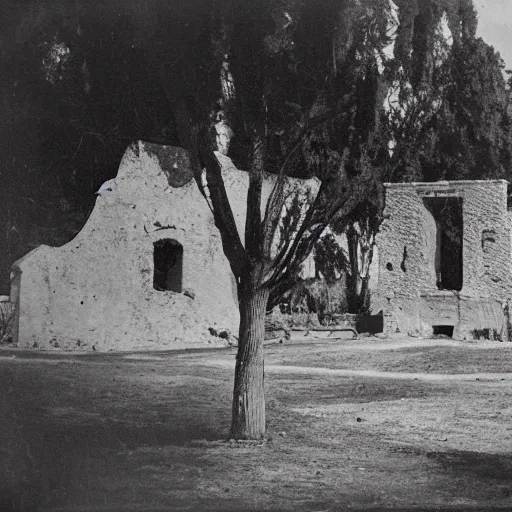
{"points": [[97, 290], [407, 291], [237, 185]]}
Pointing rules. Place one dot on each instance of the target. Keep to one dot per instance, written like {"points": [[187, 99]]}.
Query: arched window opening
{"points": [[168, 264]]}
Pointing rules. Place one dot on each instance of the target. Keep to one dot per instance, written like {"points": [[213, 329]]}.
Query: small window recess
{"points": [[443, 330], [488, 240], [168, 265]]}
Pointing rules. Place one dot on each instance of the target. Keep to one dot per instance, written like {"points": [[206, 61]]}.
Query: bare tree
{"points": [[297, 89], [290, 82]]}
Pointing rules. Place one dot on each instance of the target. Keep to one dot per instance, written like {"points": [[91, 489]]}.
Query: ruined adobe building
{"points": [[109, 287], [147, 271], [444, 255]]}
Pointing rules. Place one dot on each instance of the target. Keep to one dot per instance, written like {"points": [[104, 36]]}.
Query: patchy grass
{"points": [[147, 431], [425, 356]]}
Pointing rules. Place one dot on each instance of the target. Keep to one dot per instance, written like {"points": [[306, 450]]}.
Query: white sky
{"points": [[495, 26]]}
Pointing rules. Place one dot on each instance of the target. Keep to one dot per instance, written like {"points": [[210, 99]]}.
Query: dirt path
{"points": [[308, 370]]}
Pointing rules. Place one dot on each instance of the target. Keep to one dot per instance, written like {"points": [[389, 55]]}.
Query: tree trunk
{"points": [[248, 420], [360, 257]]}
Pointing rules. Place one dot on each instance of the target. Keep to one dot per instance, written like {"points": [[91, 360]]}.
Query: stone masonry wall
{"points": [[407, 291]]}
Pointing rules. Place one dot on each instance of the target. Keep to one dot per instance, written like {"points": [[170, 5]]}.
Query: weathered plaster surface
{"points": [[97, 290], [407, 291], [237, 184]]}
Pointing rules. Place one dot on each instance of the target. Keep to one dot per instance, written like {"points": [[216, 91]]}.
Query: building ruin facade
{"points": [[444, 259], [147, 271]]}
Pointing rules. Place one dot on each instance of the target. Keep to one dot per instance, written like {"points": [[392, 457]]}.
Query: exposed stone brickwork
{"points": [[407, 290]]}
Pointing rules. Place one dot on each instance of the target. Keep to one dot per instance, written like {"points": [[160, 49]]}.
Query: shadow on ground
{"points": [[484, 465], [109, 433], [66, 438]]}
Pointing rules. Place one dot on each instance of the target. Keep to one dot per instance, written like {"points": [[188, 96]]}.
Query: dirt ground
{"points": [[371, 424]]}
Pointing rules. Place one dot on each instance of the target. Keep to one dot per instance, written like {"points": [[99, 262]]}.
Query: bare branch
{"points": [[253, 225], [223, 214]]}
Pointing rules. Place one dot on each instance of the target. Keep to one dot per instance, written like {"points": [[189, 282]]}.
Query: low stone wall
{"points": [[276, 320], [468, 316]]}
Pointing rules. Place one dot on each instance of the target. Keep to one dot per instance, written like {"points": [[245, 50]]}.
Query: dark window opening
{"points": [[447, 213], [488, 240], [168, 262], [372, 324], [443, 330]]}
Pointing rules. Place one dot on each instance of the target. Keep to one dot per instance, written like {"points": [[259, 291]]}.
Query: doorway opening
{"points": [[447, 213]]}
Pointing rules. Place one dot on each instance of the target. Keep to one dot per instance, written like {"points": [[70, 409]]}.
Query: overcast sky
{"points": [[495, 26]]}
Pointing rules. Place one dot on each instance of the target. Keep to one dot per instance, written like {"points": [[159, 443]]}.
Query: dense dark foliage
{"points": [[65, 122], [64, 127]]}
